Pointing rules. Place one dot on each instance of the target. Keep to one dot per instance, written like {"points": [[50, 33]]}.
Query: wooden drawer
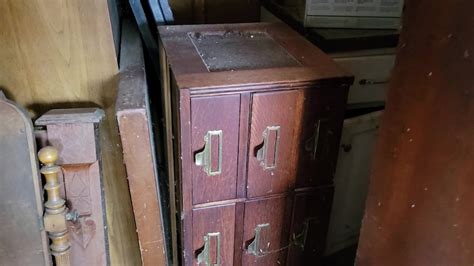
{"points": [[271, 168], [266, 232], [215, 143], [213, 235], [309, 226], [318, 140]]}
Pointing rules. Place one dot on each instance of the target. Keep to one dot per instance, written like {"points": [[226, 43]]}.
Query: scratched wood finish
{"points": [[60, 54], [272, 109], [211, 114], [419, 206], [134, 121], [274, 239], [243, 99], [215, 220]]}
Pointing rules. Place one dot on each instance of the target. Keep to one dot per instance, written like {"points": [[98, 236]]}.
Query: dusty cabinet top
{"points": [[208, 56]]}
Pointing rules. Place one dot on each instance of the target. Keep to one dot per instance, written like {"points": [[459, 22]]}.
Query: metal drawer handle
{"points": [[204, 158], [205, 255], [262, 153], [299, 240], [254, 247], [311, 145]]}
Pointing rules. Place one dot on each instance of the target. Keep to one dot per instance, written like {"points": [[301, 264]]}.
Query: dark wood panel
{"points": [[213, 235], [211, 115], [322, 115], [271, 166], [419, 209], [311, 212], [266, 231]]}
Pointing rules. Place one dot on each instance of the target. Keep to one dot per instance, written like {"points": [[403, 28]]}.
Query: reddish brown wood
{"points": [[319, 135], [135, 126], [241, 78], [309, 226], [272, 109], [211, 114], [420, 201], [245, 100], [273, 244], [74, 132], [218, 220]]}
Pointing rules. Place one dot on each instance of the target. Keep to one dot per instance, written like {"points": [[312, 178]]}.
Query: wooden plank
{"points": [[134, 120], [23, 240], [60, 54], [419, 207]]}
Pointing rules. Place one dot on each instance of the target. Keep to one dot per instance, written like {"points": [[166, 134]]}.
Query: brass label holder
{"points": [[204, 158], [205, 256], [254, 247], [262, 153]]}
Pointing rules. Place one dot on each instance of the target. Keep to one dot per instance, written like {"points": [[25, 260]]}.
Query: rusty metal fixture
{"points": [[56, 213]]}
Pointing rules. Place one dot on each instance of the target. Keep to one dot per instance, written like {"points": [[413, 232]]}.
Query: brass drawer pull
{"points": [[268, 143], [204, 158], [204, 257], [254, 247], [299, 240]]}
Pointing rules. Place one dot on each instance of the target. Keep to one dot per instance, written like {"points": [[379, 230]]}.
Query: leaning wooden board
{"points": [[60, 54], [419, 209]]}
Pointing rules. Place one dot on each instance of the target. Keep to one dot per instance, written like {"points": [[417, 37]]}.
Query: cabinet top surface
{"points": [[222, 55]]}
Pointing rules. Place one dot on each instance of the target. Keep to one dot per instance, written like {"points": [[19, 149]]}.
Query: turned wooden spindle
{"points": [[56, 211]]}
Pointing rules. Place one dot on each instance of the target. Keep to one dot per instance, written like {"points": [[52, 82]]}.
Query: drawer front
{"points": [[309, 226], [319, 136], [266, 224], [213, 235], [270, 166], [215, 142]]}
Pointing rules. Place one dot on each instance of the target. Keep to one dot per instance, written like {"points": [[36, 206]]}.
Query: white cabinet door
{"points": [[351, 180]]}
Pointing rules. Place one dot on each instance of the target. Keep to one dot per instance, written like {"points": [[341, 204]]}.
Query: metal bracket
{"points": [[262, 153], [205, 255], [204, 158], [254, 247], [299, 240]]}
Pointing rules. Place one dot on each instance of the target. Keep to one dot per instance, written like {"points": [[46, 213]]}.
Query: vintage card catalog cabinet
{"points": [[253, 117]]}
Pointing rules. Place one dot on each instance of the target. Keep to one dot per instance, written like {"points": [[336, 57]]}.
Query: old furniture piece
{"points": [[253, 115], [75, 134], [73, 213], [135, 125], [21, 201], [420, 201]]}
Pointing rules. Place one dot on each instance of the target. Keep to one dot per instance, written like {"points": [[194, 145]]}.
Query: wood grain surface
{"points": [[60, 54], [419, 206], [272, 109], [220, 220], [134, 120], [273, 244], [210, 114]]}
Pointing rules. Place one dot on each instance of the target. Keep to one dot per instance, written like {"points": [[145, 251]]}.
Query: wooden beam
{"points": [[419, 209]]}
